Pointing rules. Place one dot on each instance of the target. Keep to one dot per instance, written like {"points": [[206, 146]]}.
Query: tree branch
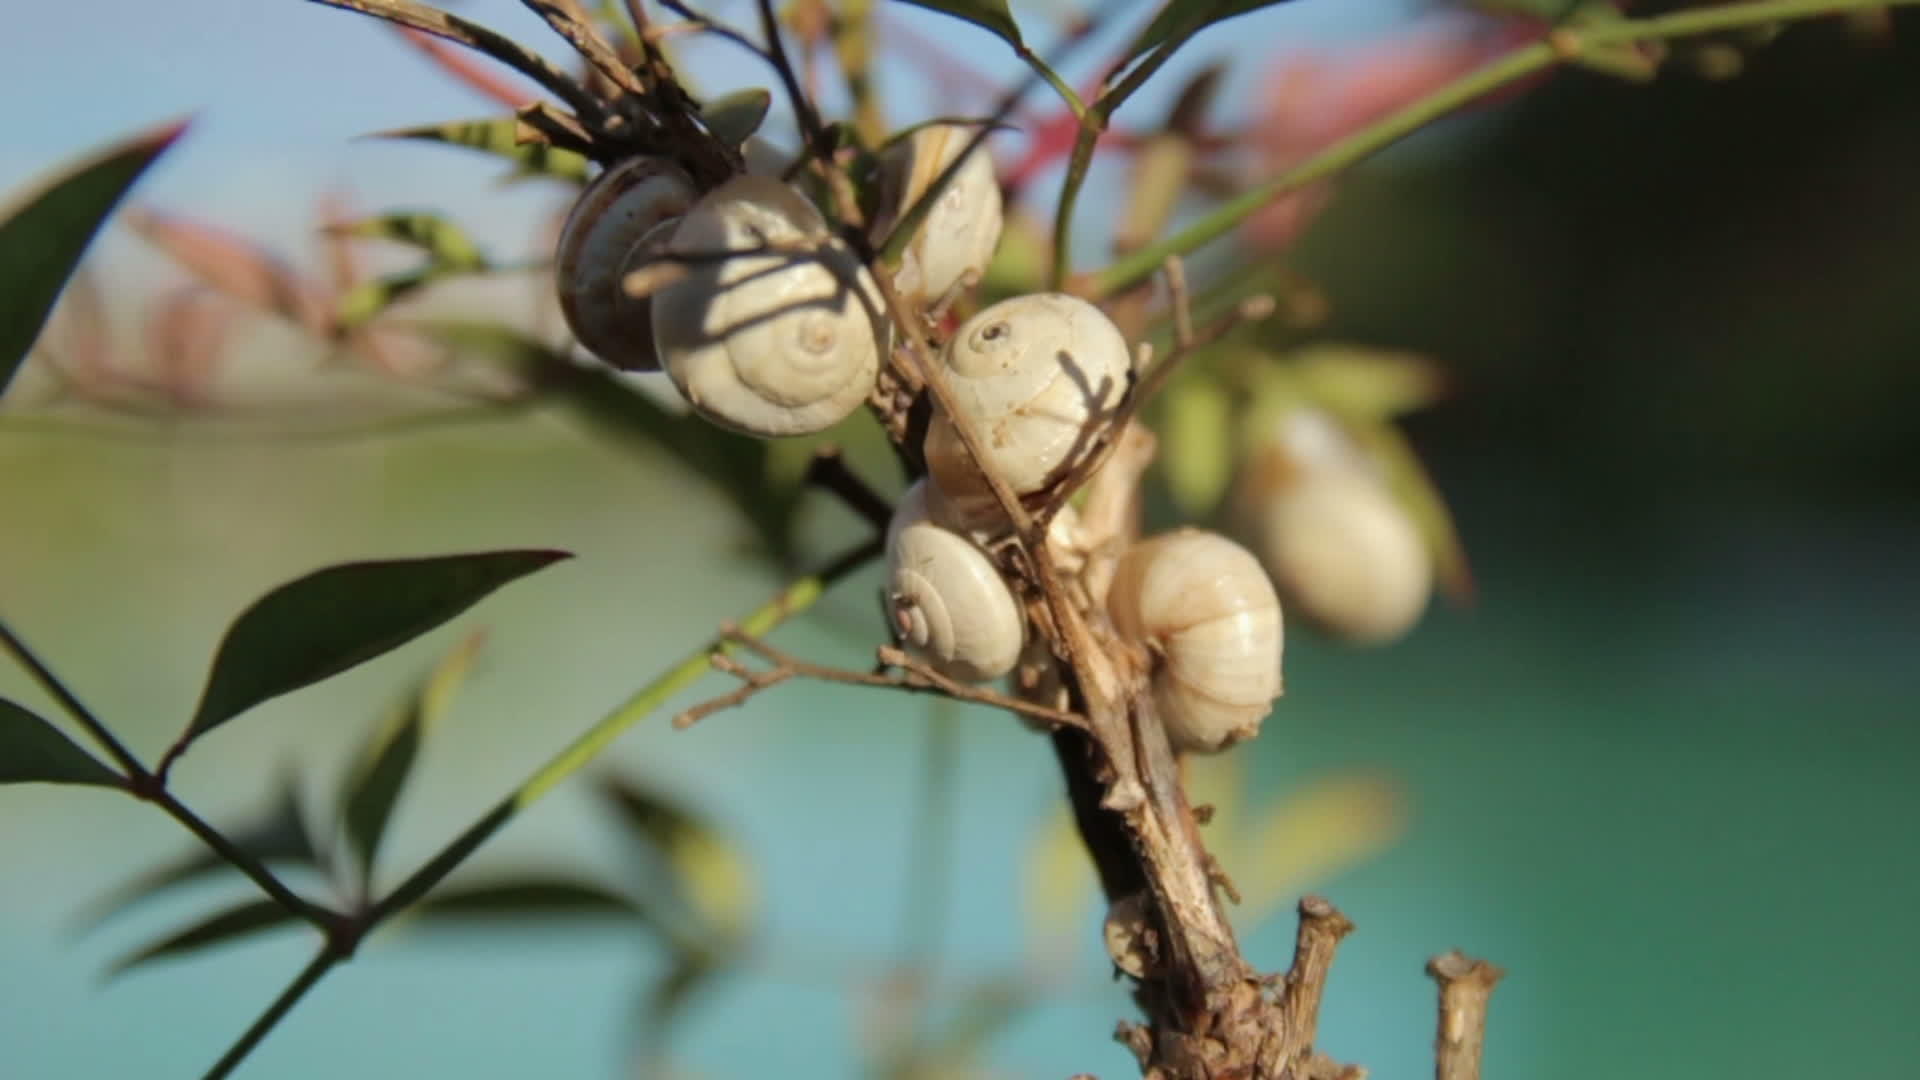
{"points": [[1466, 985]]}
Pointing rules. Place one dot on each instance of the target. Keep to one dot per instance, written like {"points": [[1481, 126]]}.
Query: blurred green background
{"points": [[1664, 770]]}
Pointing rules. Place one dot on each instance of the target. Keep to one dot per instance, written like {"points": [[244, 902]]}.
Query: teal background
{"points": [[1664, 770]]}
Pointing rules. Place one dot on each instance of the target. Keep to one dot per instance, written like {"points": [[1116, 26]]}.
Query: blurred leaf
{"points": [[445, 243], [1415, 490], [1196, 439], [1312, 834], [988, 1008], [735, 116], [248, 918], [524, 898], [1219, 781], [238, 267], [498, 135], [992, 14], [1182, 18], [387, 760], [336, 618], [34, 751], [710, 877], [370, 299], [1357, 381], [278, 836], [1059, 884], [43, 236], [1019, 264], [186, 335], [666, 1000]]}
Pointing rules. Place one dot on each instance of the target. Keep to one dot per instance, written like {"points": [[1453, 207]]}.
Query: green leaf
{"points": [[34, 751], [523, 898], [236, 922], [1414, 488], [387, 761], [1181, 19], [1358, 381], [43, 237], [1196, 433], [992, 14], [279, 836], [445, 243], [736, 116], [1315, 832], [666, 1000], [337, 618], [709, 877], [497, 135]]}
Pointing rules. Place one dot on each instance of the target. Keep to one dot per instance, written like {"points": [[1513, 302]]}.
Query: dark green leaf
{"points": [[1181, 19], [497, 135], [43, 237], [334, 619], [709, 878], [34, 751], [279, 836], [248, 918], [385, 764], [737, 115], [992, 14], [666, 1000], [513, 901], [447, 244]]}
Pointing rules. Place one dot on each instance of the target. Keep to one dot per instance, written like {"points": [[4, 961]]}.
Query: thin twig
{"points": [[1465, 986], [499, 46], [570, 21], [297, 989], [910, 674], [74, 707]]}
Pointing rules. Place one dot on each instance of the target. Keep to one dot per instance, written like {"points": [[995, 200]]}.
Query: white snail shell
{"points": [[1206, 607], [1035, 376], [948, 600], [1344, 553], [784, 343], [962, 229], [620, 207], [764, 158]]}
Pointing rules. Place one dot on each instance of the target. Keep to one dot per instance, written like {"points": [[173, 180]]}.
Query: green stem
{"points": [[319, 916], [794, 599], [1060, 86], [1091, 125], [288, 998], [1565, 44]]}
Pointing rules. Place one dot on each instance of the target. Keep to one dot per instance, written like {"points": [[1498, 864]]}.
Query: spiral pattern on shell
{"points": [[1205, 606], [788, 342], [1035, 376], [624, 204], [961, 229], [947, 599]]}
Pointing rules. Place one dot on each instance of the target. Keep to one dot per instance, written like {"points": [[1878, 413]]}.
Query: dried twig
{"points": [[829, 471], [1465, 986], [907, 673], [572, 22]]}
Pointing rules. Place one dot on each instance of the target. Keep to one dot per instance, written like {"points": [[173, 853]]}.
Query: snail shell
{"points": [[773, 344], [1035, 375], [620, 207], [1205, 606], [1344, 553], [961, 230], [948, 600]]}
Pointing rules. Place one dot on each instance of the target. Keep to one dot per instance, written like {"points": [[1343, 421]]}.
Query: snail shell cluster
{"points": [[1207, 609], [623, 211], [1036, 376], [1343, 552], [957, 238]]}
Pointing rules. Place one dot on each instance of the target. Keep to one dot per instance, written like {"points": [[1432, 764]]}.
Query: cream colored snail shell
{"points": [[618, 208], [1205, 606], [1035, 375], [948, 601], [764, 158], [784, 343], [961, 229], [1344, 554]]}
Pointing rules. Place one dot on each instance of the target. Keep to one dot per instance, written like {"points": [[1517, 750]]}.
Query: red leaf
{"points": [[238, 267], [467, 71]]}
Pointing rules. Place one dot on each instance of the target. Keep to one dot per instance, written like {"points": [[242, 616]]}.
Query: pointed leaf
{"points": [[43, 236], [236, 922], [710, 878], [667, 999], [445, 243], [1355, 380], [735, 116], [524, 898], [374, 787], [34, 751], [1320, 830], [238, 267], [499, 136], [1181, 19], [279, 836], [1196, 440], [992, 14], [333, 619]]}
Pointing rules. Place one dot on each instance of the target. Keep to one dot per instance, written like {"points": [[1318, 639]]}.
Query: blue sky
{"points": [[281, 87]]}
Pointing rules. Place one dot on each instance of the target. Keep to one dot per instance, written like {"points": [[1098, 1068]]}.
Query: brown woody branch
{"points": [[1466, 985]]}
